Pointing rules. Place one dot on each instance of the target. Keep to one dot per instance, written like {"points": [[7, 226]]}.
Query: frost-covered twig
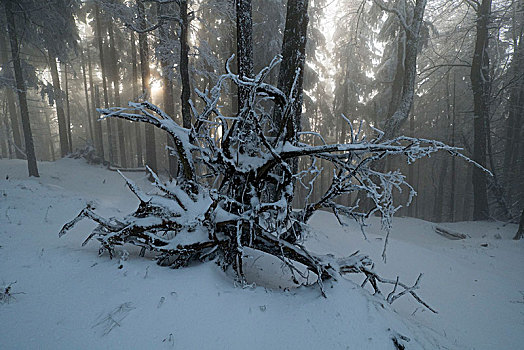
{"points": [[242, 194]]}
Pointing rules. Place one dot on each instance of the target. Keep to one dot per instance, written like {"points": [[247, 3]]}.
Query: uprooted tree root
{"points": [[236, 183], [154, 226]]}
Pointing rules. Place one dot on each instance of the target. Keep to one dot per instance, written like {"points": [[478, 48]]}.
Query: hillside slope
{"points": [[72, 299]]}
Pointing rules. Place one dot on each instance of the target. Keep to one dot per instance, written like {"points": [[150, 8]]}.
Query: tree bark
{"points": [[138, 130], [86, 93], [439, 197], [62, 122], [99, 36], [515, 110], [453, 164], [293, 59], [97, 125], [116, 90], [168, 95], [4, 136], [68, 108], [184, 65], [144, 68], [411, 168], [244, 47], [51, 141], [410, 72], [20, 86], [480, 83], [520, 232], [398, 80], [10, 100]]}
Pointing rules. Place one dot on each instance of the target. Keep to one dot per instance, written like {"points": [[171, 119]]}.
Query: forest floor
{"points": [[66, 297]]}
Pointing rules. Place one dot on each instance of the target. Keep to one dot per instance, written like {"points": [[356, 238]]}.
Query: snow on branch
{"points": [[236, 187]]}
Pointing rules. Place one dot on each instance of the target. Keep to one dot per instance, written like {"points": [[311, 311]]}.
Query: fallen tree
{"points": [[229, 168]]}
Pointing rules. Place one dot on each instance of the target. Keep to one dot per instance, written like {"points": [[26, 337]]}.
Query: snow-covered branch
{"points": [[236, 186]]}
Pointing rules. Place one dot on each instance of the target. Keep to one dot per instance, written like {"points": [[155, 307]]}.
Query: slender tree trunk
{"points": [[51, 141], [98, 103], [168, 95], [86, 93], [515, 112], [10, 99], [68, 108], [439, 196], [411, 168], [138, 130], [9, 139], [417, 210], [4, 145], [99, 35], [184, 65], [116, 90], [520, 232], [453, 165], [480, 83], [467, 199], [520, 179], [62, 122], [97, 126], [232, 86], [144, 65], [20, 86]]}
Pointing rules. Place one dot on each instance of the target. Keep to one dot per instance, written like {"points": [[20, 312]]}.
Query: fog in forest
{"points": [[298, 164], [77, 56]]}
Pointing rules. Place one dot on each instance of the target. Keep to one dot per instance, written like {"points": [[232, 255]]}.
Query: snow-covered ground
{"points": [[66, 297]]}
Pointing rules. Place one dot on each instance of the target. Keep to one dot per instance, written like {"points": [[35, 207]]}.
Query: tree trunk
{"points": [[244, 47], [480, 83], [51, 141], [86, 93], [68, 108], [468, 189], [520, 232], [138, 130], [62, 122], [521, 171], [10, 99], [144, 68], [293, 59], [410, 72], [97, 126], [398, 80], [20, 86], [411, 168], [184, 65], [99, 36], [453, 164], [4, 133], [409, 69], [439, 196], [514, 121], [232, 86], [116, 90], [168, 95]]}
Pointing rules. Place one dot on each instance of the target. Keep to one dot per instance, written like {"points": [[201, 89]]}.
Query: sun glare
{"points": [[156, 88]]}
